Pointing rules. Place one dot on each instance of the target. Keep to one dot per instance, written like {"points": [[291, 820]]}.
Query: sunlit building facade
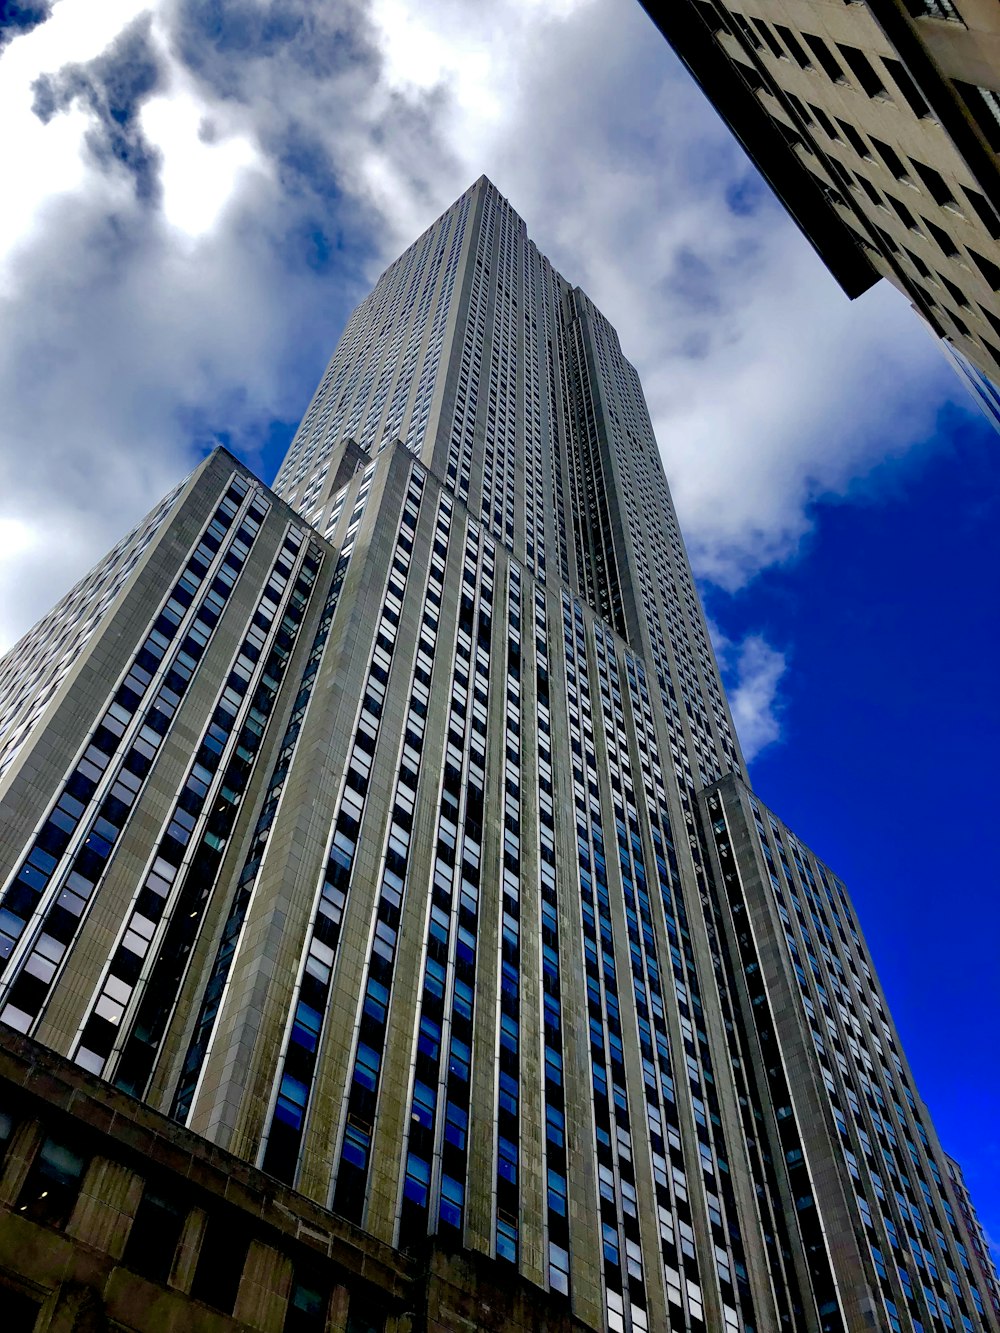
{"points": [[365, 835], [877, 123]]}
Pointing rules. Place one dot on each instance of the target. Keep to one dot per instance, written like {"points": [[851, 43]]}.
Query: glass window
{"points": [[6, 1130], [364, 1316], [220, 1263], [152, 1241], [20, 1312], [307, 1303], [52, 1184]]}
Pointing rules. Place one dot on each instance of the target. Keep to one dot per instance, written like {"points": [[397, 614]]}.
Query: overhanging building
{"points": [[369, 842], [877, 124]]}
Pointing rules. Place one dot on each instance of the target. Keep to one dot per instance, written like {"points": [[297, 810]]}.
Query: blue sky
{"points": [[890, 722], [198, 193]]}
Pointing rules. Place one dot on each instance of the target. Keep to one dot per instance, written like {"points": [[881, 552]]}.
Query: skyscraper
{"points": [[877, 123], [385, 837]]}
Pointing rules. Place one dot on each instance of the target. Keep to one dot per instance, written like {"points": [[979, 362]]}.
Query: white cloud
{"points": [[753, 670], [201, 166], [190, 275]]}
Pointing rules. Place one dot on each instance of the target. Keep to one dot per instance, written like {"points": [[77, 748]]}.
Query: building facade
{"points": [[361, 832], [877, 123]]}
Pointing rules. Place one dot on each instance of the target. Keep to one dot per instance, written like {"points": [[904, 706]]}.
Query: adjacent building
{"points": [[877, 123], [387, 939]]}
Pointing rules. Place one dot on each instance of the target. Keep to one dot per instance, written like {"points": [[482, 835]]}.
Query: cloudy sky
{"points": [[197, 192]]}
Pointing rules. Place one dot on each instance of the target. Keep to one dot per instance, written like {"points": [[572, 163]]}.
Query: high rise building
{"points": [[390, 937], [877, 124]]}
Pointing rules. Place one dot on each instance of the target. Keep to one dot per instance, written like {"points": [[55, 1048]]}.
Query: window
{"points": [[220, 1263], [911, 93], [711, 16], [856, 141], [933, 9], [946, 243], [920, 266], [863, 70], [903, 213], [749, 33], [364, 1316], [152, 1241], [986, 214], [825, 57], [935, 185], [957, 295], [800, 109], [558, 1268], [794, 46], [506, 1238], [307, 1303], [20, 1312], [988, 269], [892, 160], [872, 194], [52, 1184], [825, 123], [772, 42], [6, 1130]]}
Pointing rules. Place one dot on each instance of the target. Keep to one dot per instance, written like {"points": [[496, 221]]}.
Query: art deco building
{"points": [[387, 939], [877, 123]]}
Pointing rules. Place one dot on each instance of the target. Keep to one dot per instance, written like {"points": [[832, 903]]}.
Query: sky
{"points": [[198, 192]]}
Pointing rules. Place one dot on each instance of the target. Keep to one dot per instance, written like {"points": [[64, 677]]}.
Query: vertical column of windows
{"points": [[509, 1063], [729, 1256], [666, 589], [57, 878], [329, 395], [534, 495], [642, 946], [399, 365], [577, 478], [393, 318], [436, 1148], [610, 1099], [556, 1167], [358, 509], [370, 361], [511, 410], [297, 1065], [211, 1001], [333, 514], [162, 923], [775, 1223], [683, 1281], [467, 394], [384, 349], [427, 382], [698, 1058], [466, 400], [884, 1143], [33, 670], [351, 1176], [559, 416], [497, 503]]}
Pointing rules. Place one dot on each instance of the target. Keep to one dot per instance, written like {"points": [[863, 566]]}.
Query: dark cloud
{"points": [[17, 18], [222, 40], [693, 283], [113, 88]]}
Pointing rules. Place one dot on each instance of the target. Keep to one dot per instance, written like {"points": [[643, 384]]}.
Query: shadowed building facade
{"points": [[877, 124], [355, 835]]}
